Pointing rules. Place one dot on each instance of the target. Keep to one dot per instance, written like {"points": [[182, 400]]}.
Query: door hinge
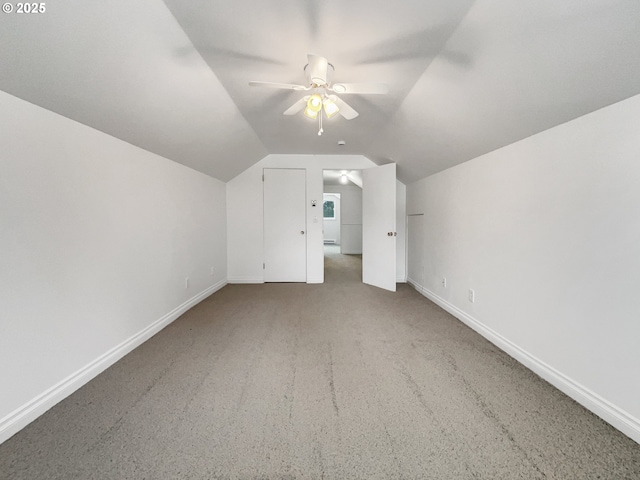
{"points": [[263, 266], [263, 177]]}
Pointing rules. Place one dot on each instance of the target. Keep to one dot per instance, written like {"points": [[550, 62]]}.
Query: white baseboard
{"points": [[240, 280], [246, 280], [610, 413], [22, 416]]}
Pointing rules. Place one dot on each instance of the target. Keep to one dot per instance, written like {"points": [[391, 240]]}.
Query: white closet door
{"points": [[285, 224]]}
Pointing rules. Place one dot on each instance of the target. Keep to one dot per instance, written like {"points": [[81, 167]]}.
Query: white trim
{"points": [[612, 414], [27, 413], [315, 279], [246, 279]]}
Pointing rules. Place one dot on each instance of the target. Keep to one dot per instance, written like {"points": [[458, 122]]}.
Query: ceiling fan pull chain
{"points": [[320, 123]]}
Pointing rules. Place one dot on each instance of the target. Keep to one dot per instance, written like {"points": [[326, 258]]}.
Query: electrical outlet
{"points": [[444, 282], [186, 282], [472, 296]]}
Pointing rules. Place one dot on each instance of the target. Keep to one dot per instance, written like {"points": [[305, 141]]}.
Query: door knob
{"points": [[301, 232]]}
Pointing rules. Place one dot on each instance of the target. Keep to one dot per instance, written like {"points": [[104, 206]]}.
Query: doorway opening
{"points": [[342, 225], [331, 222]]}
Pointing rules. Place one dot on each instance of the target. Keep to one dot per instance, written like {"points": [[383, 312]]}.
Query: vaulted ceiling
{"points": [[465, 77]]}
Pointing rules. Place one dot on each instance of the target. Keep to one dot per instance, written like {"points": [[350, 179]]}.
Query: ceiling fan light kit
{"points": [[310, 113], [319, 74], [330, 107], [314, 104]]}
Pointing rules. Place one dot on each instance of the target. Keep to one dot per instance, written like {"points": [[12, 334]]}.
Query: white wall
{"points": [[97, 237], [244, 213], [331, 226], [547, 232], [350, 217]]}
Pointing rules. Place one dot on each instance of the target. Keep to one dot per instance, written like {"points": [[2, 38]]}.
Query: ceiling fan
{"points": [[322, 97]]}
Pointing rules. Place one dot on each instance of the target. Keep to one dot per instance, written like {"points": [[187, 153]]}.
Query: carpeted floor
{"points": [[335, 381]]}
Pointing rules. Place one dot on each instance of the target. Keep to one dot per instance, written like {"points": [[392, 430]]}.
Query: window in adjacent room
{"points": [[328, 208]]}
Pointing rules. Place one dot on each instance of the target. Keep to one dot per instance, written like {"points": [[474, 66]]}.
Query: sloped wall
{"points": [[547, 233], [98, 237]]}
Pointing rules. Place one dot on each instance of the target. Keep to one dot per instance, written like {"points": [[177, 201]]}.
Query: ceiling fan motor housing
{"points": [[319, 77]]}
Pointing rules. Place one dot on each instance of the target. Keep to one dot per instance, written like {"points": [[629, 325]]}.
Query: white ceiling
{"points": [[334, 177], [465, 77]]}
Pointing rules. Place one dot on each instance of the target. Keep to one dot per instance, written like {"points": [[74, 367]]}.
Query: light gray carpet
{"points": [[336, 381]]}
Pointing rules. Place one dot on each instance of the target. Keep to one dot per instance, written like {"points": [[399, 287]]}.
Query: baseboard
{"points": [[415, 285], [22, 416], [240, 280], [246, 280], [610, 413]]}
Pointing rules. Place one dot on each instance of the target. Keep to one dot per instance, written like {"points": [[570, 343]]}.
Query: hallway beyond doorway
{"points": [[340, 268]]}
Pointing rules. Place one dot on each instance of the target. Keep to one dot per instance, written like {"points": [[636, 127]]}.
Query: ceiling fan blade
{"points": [[286, 86], [345, 110], [318, 67], [361, 88], [296, 107]]}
